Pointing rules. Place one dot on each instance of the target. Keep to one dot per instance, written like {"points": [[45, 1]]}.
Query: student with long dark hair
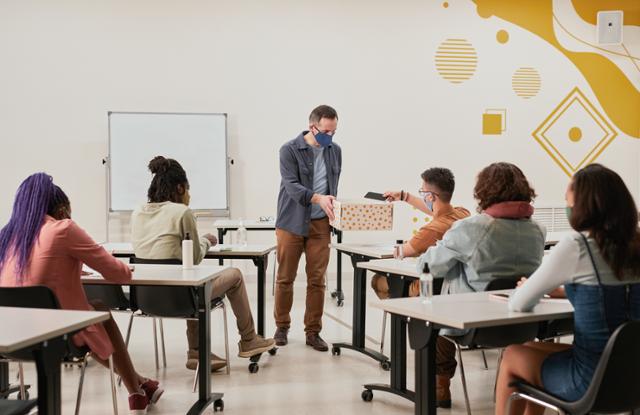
{"points": [[41, 245], [158, 229], [599, 267]]}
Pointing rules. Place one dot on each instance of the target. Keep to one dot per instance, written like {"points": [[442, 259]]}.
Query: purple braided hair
{"points": [[29, 208]]}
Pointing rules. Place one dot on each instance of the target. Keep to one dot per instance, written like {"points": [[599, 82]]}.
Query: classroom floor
{"points": [[298, 380]]}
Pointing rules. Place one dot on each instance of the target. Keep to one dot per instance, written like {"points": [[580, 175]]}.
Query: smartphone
{"points": [[375, 196]]}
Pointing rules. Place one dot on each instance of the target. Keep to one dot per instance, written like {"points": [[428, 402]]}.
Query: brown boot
{"points": [[217, 362], [314, 340], [281, 336], [443, 394]]}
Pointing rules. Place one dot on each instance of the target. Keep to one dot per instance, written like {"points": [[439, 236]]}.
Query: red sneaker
{"points": [[153, 390], [138, 404]]}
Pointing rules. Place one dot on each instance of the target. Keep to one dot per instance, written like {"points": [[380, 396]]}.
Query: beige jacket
{"points": [[157, 231]]}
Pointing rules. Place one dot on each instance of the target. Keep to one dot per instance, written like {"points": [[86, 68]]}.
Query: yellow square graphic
{"points": [[492, 124]]}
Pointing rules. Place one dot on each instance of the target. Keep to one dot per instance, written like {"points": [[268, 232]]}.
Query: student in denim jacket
{"points": [[501, 242]]}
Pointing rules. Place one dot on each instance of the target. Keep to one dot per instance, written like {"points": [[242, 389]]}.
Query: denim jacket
{"points": [[480, 248], [296, 185]]}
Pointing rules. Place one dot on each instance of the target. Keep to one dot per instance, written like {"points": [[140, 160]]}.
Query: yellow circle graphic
{"points": [[445, 4], [456, 60], [502, 36], [575, 134], [526, 82]]}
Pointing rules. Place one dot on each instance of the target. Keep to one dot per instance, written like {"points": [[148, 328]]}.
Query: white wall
{"points": [[64, 64]]}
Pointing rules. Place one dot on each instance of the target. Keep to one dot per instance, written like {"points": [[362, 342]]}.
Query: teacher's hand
{"points": [[326, 203]]}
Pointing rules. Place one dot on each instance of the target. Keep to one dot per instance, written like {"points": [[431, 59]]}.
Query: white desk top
{"points": [[406, 267], [161, 274], [253, 224], [24, 327], [126, 248], [473, 310], [371, 250]]}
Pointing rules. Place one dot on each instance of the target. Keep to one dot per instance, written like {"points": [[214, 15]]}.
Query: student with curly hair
{"points": [[501, 242]]}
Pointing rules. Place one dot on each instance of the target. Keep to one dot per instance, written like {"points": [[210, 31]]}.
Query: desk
{"points": [[226, 225], [44, 331], [200, 277], [361, 253], [400, 274], [259, 254], [462, 311]]}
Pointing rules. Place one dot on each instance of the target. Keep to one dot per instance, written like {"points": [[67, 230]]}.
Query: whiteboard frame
{"points": [[198, 212]]}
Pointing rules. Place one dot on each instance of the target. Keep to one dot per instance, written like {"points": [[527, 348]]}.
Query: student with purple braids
{"points": [[41, 245]]}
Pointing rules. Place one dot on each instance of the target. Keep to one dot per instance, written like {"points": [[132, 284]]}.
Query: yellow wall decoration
{"points": [[615, 92], [526, 82], [456, 60]]}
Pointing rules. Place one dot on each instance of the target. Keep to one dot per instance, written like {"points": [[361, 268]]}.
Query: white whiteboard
{"points": [[197, 141]]}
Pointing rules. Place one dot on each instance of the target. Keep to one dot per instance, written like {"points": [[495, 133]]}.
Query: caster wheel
{"points": [[334, 294], [385, 365], [340, 303], [273, 351], [335, 351], [367, 395], [218, 405], [253, 368], [26, 396]]}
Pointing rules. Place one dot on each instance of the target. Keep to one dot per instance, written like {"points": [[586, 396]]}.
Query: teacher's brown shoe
{"points": [[314, 340]]}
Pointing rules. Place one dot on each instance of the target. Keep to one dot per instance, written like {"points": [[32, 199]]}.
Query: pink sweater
{"points": [[56, 261]]}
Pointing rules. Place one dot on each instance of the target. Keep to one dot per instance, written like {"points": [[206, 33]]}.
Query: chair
{"points": [[39, 296], [17, 407], [491, 337], [114, 297], [615, 384], [173, 302]]}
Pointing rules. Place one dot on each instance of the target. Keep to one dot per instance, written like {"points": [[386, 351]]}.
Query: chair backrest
{"points": [[179, 302], [111, 296], [616, 381], [35, 296], [506, 335]]}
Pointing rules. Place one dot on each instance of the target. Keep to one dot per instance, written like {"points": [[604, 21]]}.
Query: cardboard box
{"points": [[362, 215]]}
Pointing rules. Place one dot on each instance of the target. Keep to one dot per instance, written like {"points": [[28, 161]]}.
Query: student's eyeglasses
{"points": [[425, 193], [331, 133]]}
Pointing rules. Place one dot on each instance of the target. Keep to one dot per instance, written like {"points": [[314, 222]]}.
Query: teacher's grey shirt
{"points": [[320, 183], [297, 172]]}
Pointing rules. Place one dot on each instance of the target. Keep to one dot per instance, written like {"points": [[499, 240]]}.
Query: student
{"points": [[158, 229], [41, 245], [596, 264], [501, 242], [435, 200], [310, 166]]}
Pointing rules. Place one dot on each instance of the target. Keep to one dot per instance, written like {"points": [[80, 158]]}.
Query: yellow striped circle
{"points": [[526, 82], [456, 60]]}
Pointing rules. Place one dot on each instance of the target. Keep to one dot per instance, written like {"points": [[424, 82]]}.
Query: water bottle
{"points": [[242, 234], [187, 252], [426, 284]]}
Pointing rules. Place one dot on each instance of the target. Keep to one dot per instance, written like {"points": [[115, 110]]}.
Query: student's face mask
{"points": [[568, 211], [426, 198]]}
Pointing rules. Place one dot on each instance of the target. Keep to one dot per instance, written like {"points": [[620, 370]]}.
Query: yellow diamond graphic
{"points": [[575, 133]]}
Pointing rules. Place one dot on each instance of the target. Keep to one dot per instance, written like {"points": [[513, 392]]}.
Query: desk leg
{"points": [[4, 379], [205, 397], [338, 294], [359, 314], [398, 287], [422, 338], [262, 263], [221, 232], [48, 358]]}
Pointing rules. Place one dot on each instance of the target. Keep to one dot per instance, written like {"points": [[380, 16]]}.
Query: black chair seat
{"points": [[112, 296], [16, 407], [615, 384]]}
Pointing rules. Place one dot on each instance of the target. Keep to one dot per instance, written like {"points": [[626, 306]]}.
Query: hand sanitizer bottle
{"points": [[426, 284]]}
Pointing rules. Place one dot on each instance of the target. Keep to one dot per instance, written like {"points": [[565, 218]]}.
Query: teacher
{"points": [[310, 168]]}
